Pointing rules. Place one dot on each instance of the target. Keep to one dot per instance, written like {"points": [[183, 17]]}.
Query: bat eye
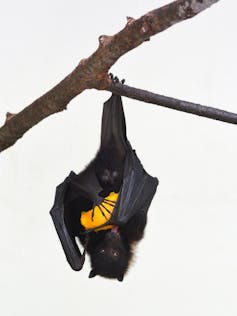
{"points": [[115, 253], [105, 178], [115, 174]]}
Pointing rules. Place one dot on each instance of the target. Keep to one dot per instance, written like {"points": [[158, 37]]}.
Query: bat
{"points": [[105, 206]]}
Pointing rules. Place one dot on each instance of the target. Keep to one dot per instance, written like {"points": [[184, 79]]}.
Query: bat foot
{"points": [[115, 79]]}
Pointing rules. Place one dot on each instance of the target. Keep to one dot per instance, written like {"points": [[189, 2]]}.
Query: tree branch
{"points": [[174, 104], [93, 71]]}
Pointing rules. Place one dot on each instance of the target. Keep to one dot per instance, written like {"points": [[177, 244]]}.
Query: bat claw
{"points": [[115, 79], [83, 257]]}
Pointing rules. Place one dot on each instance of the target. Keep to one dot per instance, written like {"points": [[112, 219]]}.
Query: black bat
{"points": [[105, 205]]}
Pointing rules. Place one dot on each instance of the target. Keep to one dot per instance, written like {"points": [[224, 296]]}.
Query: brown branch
{"points": [[174, 104], [9, 116], [92, 72]]}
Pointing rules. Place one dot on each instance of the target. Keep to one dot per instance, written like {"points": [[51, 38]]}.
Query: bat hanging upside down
{"points": [[105, 205]]}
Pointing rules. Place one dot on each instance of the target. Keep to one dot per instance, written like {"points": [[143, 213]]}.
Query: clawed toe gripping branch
{"points": [[92, 72]]}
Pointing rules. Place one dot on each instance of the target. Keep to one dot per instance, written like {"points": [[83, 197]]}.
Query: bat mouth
{"points": [[115, 229]]}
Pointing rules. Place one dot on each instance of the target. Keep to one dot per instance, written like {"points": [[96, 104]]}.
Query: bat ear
{"points": [[92, 274], [120, 278]]}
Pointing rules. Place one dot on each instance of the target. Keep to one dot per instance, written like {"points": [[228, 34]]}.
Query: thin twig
{"points": [[174, 104]]}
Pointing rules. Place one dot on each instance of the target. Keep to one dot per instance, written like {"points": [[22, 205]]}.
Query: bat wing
{"points": [[138, 187], [72, 252], [113, 128], [73, 187], [137, 190], [87, 184]]}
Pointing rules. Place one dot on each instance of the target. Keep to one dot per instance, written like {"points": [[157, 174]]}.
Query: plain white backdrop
{"points": [[187, 263]]}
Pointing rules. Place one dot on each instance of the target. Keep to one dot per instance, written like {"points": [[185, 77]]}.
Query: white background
{"points": [[187, 263]]}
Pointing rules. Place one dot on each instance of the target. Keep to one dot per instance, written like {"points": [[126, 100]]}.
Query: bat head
{"points": [[110, 258]]}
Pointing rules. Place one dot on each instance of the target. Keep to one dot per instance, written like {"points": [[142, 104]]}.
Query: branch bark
{"points": [[174, 104], [93, 71]]}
